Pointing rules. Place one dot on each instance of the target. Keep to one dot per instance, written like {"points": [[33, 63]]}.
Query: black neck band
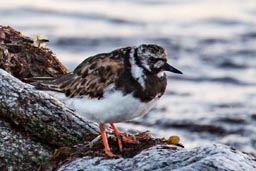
{"points": [[136, 58]]}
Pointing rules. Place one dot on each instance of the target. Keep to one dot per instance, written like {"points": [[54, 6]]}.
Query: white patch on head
{"points": [[113, 107], [136, 71], [159, 64]]}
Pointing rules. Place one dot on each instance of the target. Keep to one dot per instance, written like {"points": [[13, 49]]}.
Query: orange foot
{"points": [[129, 139], [110, 154], [123, 137], [105, 141]]}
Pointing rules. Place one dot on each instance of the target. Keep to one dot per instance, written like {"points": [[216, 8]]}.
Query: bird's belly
{"points": [[114, 107]]}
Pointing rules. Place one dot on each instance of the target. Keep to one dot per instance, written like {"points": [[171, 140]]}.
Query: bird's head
{"points": [[153, 59]]}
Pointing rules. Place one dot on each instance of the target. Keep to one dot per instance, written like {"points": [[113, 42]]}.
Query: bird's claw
{"points": [[130, 139], [110, 154]]}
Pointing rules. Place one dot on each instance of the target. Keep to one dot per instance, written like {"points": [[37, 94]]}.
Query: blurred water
{"points": [[212, 42]]}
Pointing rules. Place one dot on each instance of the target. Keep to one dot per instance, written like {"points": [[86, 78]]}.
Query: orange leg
{"points": [[118, 135], [105, 141], [121, 137]]}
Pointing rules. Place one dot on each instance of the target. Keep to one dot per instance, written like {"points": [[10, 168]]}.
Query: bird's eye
{"points": [[152, 59]]}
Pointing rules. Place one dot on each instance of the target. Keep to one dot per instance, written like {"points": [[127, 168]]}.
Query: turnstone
{"points": [[113, 87]]}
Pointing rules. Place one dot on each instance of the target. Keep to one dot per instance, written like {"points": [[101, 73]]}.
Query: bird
{"points": [[113, 87]]}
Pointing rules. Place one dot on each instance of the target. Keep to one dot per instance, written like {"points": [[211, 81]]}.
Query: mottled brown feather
{"points": [[90, 78]]}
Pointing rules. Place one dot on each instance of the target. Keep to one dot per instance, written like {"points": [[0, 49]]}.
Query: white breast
{"points": [[114, 107]]}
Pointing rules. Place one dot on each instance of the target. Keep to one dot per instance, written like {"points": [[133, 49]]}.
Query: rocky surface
{"points": [[211, 157], [19, 151], [33, 124]]}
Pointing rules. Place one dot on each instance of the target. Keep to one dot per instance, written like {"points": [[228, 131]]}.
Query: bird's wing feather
{"points": [[90, 78]]}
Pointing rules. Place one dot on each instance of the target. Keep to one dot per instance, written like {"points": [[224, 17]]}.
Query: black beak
{"points": [[167, 67]]}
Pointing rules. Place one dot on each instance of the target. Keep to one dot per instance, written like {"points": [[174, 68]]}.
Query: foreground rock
{"points": [[33, 124], [162, 157]]}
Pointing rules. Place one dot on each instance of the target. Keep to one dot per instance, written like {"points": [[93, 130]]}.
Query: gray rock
{"points": [[211, 157]]}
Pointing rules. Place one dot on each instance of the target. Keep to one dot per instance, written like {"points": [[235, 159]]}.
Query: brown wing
{"points": [[90, 78]]}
